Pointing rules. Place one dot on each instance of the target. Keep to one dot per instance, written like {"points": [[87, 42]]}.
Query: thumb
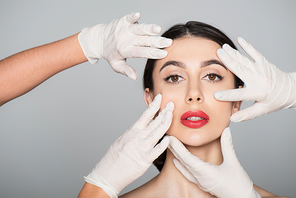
{"points": [[120, 66], [248, 113], [184, 171], [228, 152], [242, 94]]}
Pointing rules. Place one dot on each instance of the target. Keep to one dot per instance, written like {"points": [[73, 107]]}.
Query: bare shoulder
{"points": [[130, 194], [147, 190], [265, 194], [136, 193]]}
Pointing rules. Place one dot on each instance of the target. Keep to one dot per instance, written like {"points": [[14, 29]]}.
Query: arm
{"points": [[89, 190], [116, 41], [264, 193], [24, 71]]}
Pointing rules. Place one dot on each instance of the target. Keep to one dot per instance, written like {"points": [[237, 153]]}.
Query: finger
{"points": [[242, 94], [133, 17], [250, 50], [184, 171], [249, 113], [192, 163], [182, 154], [229, 156], [159, 148], [161, 119], [158, 133], [234, 66], [145, 29], [148, 52], [237, 56], [153, 41], [123, 68], [150, 112]]}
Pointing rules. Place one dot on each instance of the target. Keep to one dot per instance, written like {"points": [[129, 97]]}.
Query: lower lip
{"points": [[194, 124]]}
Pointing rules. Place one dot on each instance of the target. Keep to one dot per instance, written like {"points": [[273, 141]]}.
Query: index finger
{"points": [[250, 50], [133, 17], [233, 65], [145, 29], [146, 117], [182, 154]]}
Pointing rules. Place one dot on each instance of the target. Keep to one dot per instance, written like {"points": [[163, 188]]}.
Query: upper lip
{"points": [[197, 113]]}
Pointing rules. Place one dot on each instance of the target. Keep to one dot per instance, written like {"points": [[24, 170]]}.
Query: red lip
{"points": [[194, 124]]}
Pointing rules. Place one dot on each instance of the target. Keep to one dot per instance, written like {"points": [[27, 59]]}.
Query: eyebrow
{"points": [[175, 63], [211, 62], [203, 64]]}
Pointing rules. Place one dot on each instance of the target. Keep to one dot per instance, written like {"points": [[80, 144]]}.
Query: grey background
{"points": [[53, 136]]}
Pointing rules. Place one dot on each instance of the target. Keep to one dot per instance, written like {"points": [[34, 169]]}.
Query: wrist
{"points": [[253, 194], [88, 38], [96, 180], [89, 190]]}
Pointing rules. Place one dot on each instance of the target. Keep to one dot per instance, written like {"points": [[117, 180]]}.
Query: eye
{"points": [[173, 79], [213, 77]]}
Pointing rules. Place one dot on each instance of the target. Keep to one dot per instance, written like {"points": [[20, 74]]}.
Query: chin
{"points": [[196, 139]]}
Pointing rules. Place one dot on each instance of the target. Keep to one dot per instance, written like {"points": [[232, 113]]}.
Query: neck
{"points": [[170, 175], [210, 152]]}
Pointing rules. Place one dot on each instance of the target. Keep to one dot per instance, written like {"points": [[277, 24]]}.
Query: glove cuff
{"points": [[94, 179], [257, 195], [84, 38], [293, 86], [252, 193]]}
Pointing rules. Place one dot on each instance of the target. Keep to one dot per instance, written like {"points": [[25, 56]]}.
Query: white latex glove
{"points": [[131, 155], [123, 38], [228, 180], [270, 88]]}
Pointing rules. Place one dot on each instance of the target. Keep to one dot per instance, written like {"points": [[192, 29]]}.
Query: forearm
{"points": [[92, 191], [24, 71]]}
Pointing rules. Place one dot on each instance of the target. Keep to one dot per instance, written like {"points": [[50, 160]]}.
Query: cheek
{"points": [[168, 95], [221, 112]]}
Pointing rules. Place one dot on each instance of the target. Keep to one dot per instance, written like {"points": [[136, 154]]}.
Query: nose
{"points": [[191, 99], [194, 94]]}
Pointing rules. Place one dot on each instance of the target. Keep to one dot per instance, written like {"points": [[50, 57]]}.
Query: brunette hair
{"points": [[190, 29]]}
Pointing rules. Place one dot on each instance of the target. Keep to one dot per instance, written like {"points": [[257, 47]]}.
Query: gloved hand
{"points": [[270, 88], [120, 39], [131, 155], [226, 180]]}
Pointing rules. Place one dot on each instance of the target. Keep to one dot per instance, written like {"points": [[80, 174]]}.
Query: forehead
{"points": [[193, 46], [191, 49]]}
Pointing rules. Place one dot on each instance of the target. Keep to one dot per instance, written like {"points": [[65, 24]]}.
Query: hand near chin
{"points": [[131, 155], [226, 180], [270, 88]]}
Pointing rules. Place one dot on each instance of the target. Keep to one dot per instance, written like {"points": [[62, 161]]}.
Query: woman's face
{"points": [[189, 76]]}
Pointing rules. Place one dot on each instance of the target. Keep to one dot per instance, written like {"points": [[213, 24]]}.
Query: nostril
{"points": [[198, 99], [190, 99]]}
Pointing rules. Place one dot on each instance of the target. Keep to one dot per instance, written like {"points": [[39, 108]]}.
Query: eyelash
{"points": [[168, 79], [216, 75]]}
